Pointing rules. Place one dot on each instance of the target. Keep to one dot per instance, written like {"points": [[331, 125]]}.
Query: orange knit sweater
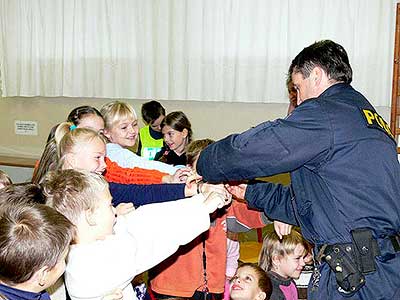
{"points": [[181, 274], [117, 174]]}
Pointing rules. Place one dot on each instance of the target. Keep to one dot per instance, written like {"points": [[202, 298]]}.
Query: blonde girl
{"points": [[283, 260], [121, 130]]}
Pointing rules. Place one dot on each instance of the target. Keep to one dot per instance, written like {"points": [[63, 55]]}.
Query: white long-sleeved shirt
{"points": [[142, 239], [127, 159]]}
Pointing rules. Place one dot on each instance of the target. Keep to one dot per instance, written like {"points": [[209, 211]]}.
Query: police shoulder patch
{"points": [[374, 120]]}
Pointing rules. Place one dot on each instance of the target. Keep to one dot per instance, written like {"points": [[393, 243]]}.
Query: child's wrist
{"points": [[199, 187]]}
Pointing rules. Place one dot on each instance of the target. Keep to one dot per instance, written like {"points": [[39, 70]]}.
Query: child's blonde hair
{"points": [[72, 192], [273, 246], [4, 179], [68, 137], [113, 112], [48, 161]]}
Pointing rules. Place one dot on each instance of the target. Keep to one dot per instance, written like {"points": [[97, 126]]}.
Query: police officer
{"points": [[345, 177]]}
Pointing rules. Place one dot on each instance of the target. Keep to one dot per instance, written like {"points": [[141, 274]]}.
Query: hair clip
{"points": [[72, 127]]}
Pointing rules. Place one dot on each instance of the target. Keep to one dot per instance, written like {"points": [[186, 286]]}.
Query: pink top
{"points": [[289, 291]]}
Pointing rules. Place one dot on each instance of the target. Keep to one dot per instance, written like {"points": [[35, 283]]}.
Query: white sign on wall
{"points": [[26, 127]]}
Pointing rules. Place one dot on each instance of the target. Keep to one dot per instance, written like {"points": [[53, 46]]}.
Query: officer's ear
{"points": [[318, 76]]}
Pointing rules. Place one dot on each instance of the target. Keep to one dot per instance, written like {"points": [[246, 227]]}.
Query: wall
{"points": [[18, 174], [209, 119]]}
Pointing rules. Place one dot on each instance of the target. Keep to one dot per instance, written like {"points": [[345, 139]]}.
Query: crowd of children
{"points": [[116, 213]]}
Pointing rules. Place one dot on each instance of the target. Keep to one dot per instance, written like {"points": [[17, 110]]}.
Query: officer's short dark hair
{"points": [[326, 54], [151, 111]]}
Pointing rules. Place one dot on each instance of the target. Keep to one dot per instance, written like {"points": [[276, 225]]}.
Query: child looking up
{"points": [[283, 260], [177, 132], [109, 251], [34, 242], [251, 283], [150, 136]]}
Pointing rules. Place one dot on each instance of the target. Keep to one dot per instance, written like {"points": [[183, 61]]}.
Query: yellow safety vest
{"points": [[150, 146]]}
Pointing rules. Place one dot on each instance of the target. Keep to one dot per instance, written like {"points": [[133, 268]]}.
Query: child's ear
{"points": [[90, 217], [107, 133], [185, 132], [261, 296], [70, 161], [276, 261], [39, 278]]}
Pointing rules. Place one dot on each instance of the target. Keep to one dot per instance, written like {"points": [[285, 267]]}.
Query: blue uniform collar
{"points": [[330, 91], [334, 89], [15, 294]]}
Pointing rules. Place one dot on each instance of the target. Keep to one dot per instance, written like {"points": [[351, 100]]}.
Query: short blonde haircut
{"points": [[273, 246], [113, 112], [71, 192]]}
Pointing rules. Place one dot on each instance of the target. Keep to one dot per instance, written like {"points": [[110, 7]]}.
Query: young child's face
{"points": [[291, 265], [175, 139], [156, 124], [124, 132], [244, 284], [92, 121], [103, 215], [89, 156]]}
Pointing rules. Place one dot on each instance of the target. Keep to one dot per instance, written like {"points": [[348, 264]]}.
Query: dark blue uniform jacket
{"points": [[344, 173]]}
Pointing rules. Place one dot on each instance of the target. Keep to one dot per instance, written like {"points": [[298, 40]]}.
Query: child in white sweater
{"points": [[109, 251]]}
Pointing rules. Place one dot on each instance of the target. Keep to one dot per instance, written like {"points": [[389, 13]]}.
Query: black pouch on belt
{"points": [[340, 259], [365, 249]]}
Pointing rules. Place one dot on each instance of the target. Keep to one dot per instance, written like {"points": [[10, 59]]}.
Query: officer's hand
{"points": [[282, 229]]}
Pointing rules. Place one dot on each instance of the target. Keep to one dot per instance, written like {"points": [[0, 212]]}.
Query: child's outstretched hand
{"points": [[216, 200], [282, 229], [193, 177], [179, 176], [206, 188], [182, 174], [124, 208], [115, 295], [238, 190]]}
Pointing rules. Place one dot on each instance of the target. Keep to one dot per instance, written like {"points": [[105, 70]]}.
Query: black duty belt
{"points": [[351, 261]]}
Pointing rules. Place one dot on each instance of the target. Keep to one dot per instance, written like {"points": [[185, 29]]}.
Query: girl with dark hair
{"points": [[177, 132]]}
